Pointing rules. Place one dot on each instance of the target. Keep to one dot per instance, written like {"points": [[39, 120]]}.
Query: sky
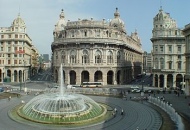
{"points": [[41, 16]]}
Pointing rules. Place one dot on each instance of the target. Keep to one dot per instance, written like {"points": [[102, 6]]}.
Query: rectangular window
{"points": [[9, 36], [1, 48], [179, 66], [15, 55], [170, 48], [179, 48], [20, 36], [170, 65], [175, 32], [16, 35], [9, 49], [2, 36], [15, 61], [161, 49], [9, 61], [156, 48], [179, 57], [9, 55]]}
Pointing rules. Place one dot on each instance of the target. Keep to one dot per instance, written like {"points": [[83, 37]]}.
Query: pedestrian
{"points": [[122, 112], [9, 98], [115, 110]]}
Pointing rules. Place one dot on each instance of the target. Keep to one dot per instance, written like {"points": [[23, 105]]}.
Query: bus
{"points": [[91, 84]]}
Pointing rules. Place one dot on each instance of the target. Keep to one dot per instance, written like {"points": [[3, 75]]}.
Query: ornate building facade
{"points": [[168, 52], [187, 55], [95, 51], [17, 53]]}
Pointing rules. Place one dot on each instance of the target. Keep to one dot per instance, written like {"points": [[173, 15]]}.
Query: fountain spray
{"points": [[62, 89]]}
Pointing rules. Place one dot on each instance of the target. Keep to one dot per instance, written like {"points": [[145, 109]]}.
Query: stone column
{"points": [[104, 78], [91, 76], [165, 81], [158, 81], [78, 77], [115, 78], [174, 80], [67, 77]]}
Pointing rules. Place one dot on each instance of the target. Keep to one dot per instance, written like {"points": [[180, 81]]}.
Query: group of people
{"points": [[115, 111]]}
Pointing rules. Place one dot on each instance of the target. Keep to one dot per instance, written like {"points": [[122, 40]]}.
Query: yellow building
{"points": [[16, 52]]}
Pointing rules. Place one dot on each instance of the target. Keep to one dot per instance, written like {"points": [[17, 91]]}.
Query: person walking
{"points": [[122, 112], [115, 110]]}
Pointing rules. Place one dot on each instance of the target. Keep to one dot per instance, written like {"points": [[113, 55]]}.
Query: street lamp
{"points": [[142, 86], [142, 90]]}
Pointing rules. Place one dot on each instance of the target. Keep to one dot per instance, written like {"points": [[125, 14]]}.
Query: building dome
{"points": [[61, 22], [18, 22], [163, 20], [117, 22]]}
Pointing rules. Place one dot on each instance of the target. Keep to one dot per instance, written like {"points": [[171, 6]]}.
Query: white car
{"points": [[135, 90], [70, 86]]}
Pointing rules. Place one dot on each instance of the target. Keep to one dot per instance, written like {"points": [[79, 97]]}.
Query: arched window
{"points": [[118, 57], [85, 57], [110, 57], [98, 57], [73, 56]]}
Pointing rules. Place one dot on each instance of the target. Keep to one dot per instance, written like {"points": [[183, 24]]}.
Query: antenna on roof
{"points": [[161, 4], [19, 8]]}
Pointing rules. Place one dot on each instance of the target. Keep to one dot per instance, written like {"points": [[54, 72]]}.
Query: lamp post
{"points": [[142, 90]]}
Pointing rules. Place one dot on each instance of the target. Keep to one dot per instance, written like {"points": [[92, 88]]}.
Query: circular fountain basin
{"points": [[59, 108]]}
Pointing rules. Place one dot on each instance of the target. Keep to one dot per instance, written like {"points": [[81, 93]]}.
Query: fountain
{"points": [[62, 107]]}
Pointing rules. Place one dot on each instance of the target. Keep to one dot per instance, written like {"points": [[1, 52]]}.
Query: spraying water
{"points": [[62, 89]]}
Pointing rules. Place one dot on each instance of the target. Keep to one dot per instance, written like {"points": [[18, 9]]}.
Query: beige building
{"points": [[168, 52], [16, 52], [187, 55], [147, 62], [95, 51]]}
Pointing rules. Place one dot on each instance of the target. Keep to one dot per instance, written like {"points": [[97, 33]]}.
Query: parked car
{"points": [[135, 90], [70, 86]]}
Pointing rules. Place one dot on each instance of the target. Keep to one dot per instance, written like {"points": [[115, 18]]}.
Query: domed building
{"points": [[19, 57], [168, 44], [95, 51]]}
